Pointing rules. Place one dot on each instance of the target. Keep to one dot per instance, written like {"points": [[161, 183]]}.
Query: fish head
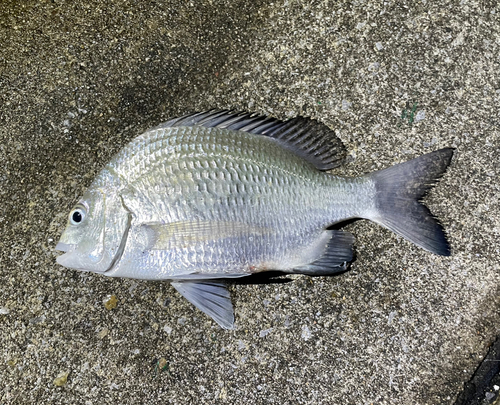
{"points": [[96, 232]]}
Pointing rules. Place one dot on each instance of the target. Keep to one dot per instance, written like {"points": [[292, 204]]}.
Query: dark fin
{"points": [[308, 138], [209, 297], [399, 190], [336, 256]]}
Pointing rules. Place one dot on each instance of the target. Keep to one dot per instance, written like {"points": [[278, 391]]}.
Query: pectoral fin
{"points": [[182, 234], [210, 297]]}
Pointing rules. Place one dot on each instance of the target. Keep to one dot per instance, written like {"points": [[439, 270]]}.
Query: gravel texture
{"points": [[79, 79]]}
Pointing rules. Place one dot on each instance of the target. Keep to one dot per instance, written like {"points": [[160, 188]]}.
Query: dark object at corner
{"points": [[480, 389]]}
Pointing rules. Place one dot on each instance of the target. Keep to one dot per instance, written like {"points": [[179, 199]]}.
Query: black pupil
{"points": [[77, 216]]}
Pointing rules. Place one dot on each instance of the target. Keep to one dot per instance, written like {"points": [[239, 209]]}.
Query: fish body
{"points": [[221, 195]]}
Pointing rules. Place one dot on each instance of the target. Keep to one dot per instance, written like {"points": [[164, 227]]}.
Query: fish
{"points": [[214, 196]]}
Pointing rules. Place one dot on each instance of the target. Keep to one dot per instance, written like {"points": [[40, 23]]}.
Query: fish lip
{"points": [[60, 260], [65, 247]]}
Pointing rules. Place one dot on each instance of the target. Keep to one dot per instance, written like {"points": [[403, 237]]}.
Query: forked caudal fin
{"points": [[399, 190]]}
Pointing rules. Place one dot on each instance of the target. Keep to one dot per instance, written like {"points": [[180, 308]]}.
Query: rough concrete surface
{"points": [[395, 79]]}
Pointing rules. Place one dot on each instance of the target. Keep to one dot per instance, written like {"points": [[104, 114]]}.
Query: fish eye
{"points": [[77, 215]]}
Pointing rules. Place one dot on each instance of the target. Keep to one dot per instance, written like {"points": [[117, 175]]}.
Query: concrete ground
{"points": [[395, 80]]}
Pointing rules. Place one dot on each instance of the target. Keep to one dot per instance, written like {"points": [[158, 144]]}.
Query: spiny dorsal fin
{"points": [[308, 138]]}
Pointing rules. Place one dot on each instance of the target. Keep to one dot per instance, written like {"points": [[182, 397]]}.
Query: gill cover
{"points": [[95, 234]]}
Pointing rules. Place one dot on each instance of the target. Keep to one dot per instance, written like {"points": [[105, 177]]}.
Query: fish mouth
{"points": [[71, 258], [67, 259]]}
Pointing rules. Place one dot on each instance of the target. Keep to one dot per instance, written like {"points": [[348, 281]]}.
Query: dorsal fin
{"points": [[308, 138]]}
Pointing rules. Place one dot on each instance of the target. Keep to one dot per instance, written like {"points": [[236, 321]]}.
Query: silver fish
{"points": [[220, 195]]}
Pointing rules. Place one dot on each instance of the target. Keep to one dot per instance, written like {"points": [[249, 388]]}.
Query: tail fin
{"points": [[399, 190]]}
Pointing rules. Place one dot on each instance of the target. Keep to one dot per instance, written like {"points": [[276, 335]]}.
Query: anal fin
{"points": [[210, 297], [337, 253]]}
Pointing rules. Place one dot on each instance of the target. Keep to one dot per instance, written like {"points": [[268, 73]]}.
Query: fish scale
{"points": [[250, 174], [218, 195]]}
